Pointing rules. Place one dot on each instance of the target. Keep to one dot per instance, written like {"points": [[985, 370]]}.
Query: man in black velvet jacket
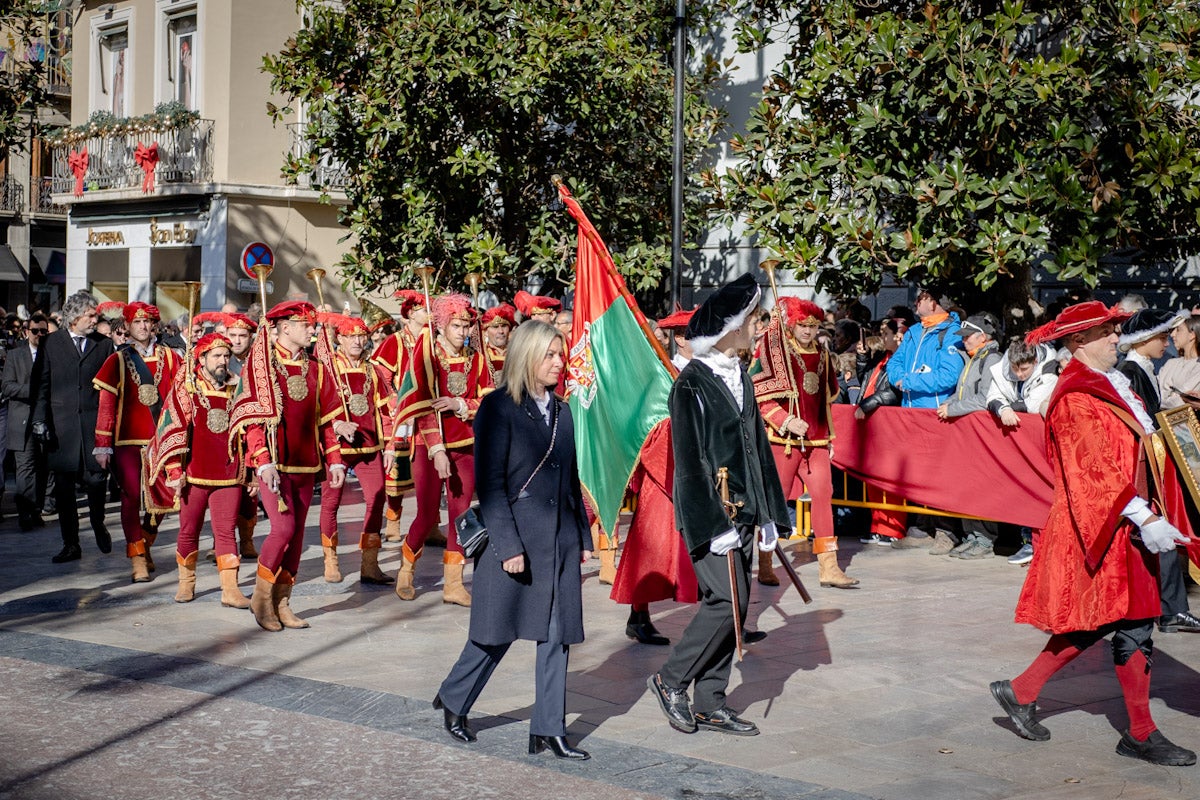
{"points": [[716, 423]]}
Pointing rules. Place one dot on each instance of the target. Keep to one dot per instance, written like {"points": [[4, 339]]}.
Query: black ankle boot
{"points": [[456, 725], [558, 744]]}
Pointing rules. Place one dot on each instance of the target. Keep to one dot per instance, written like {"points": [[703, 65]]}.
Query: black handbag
{"points": [[472, 530]]}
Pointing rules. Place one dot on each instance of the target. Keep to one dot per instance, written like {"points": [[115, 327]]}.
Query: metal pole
{"points": [[677, 154]]}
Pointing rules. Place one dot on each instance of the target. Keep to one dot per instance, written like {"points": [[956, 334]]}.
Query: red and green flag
{"points": [[618, 376]]}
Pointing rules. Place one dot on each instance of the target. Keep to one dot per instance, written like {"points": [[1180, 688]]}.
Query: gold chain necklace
{"points": [[360, 404], [456, 382], [147, 393], [811, 381], [216, 419], [297, 385]]}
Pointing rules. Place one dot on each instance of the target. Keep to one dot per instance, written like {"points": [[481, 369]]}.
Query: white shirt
{"points": [[543, 404], [728, 369], [1125, 390]]}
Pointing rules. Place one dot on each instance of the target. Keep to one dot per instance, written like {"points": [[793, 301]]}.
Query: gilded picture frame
{"points": [[1181, 429]]}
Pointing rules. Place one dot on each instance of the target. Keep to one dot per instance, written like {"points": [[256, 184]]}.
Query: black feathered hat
{"points": [[721, 313], [1146, 324]]}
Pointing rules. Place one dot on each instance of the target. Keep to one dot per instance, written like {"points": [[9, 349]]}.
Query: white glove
{"points": [[1160, 536], [1137, 511], [768, 535], [725, 542]]}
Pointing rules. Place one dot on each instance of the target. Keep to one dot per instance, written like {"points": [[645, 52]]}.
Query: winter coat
{"points": [[1034, 393], [927, 364]]}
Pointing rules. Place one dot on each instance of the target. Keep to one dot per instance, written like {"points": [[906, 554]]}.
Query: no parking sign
{"points": [[255, 254]]}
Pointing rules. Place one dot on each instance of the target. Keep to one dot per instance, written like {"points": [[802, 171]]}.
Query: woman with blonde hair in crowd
{"points": [[527, 578]]}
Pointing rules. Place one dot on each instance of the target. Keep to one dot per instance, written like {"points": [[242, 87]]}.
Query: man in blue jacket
{"points": [[929, 360]]}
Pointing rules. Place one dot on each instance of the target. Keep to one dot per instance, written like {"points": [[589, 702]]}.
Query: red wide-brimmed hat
{"points": [[211, 341], [677, 321], [1074, 319], [300, 310], [503, 314], [139, 310]]}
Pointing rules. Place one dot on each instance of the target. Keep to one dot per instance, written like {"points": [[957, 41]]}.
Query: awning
{"points": [[10, 268], [53, 263]]}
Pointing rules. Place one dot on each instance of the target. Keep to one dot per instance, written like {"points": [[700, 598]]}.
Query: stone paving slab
{"points": [[876, 692]]}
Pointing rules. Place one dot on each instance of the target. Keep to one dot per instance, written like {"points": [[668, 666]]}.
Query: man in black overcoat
{"points": [[17, 387], [64, 417], [716, 423]]}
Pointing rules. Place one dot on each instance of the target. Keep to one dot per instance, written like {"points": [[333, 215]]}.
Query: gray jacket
{"points": [[971, 394]]}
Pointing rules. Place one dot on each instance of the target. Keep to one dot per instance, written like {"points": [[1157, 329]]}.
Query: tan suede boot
{"points": [[404, 578], [137, 552], [370, 571], [231, 595], [262, 602], [283, 596], [333, 574], [607, 551], [766, 569], [830, 574], [391, 531], [453, 590], [187, 578], [245, 528]]}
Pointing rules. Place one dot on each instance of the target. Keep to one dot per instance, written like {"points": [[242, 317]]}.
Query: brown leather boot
{"points": [[453, 590], [391, 531], [370, 571], [262, 602], [231, 595], [333, 574], [137, 552], [830, 574], [607, 552], [408, 566], [187, 578], [245, 529], [282, 597], [766, 569]]}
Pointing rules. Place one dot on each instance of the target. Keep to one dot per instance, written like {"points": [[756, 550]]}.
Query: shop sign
{"points": [[97, 238], [175, 234]]}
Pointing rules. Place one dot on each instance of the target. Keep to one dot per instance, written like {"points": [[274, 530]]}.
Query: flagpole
{"points": [[677, 153]]}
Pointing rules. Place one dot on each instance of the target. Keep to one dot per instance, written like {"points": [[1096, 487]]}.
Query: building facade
{"points": [[172, 167]]}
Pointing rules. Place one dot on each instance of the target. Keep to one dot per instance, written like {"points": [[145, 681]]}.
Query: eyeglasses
{"points": [[39, 331]]}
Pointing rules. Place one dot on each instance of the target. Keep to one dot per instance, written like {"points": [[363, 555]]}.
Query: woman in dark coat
{"points": [[527, 581]]}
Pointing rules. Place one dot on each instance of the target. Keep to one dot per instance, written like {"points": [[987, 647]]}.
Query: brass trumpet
{"points": [[425, 273], [193, 289], [474, 279], [262, 271], [317, 275]]}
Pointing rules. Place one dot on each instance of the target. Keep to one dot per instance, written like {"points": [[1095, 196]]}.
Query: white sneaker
{"points": [[1022, 556]]}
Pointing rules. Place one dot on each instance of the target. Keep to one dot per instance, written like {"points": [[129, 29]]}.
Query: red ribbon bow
{"points": [[78, 162], [147, 159]]}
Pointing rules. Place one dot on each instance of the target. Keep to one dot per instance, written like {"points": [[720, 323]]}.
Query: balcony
{"points": [[328, 174], [12, 196], [185, 156], [42, 204]]}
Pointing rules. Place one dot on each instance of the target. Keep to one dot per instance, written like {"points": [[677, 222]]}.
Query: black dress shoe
{"points": [[70, 552], [25, 522], [750, 637], [1020, 714], [645, 633], [456, 725], [675, 704], [558, 744], [724, 720], [1157, 749], [1183, 622], [103, 539]]}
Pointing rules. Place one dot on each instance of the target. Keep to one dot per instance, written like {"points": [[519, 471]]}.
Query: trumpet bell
{"points": [[373, 314]]}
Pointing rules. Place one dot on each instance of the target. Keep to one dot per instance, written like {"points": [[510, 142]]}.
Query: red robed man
{"points": [[133, 382]]}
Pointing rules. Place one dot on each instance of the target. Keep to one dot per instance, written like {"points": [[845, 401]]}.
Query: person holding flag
{"points": [[394, 356], [288, 408], [203, 466], [448, 381], [370, 393], [132, 383]]}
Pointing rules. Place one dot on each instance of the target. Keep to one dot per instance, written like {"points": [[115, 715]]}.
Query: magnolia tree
{"points": [[964, 142], [22, 75], [451, 119]]}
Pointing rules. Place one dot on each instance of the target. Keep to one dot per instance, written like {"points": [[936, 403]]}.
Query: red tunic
{"points": [[370, 382], [394, 355], [1086, 570], [813, 408], [209, 462], [123, 419], [495, 357], [463, 376], [305, 440]]}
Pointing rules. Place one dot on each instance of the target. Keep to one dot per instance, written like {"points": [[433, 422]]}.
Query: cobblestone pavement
{"points": [[112, 690]]}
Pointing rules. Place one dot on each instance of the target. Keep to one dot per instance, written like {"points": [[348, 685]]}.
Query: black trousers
{"points": [[1172, 586], [30, 465], [477, 662], [68, 507], [704, 654]]}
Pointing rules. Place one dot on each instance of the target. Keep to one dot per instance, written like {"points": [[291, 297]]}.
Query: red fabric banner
{"points": [[969, 465]]}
